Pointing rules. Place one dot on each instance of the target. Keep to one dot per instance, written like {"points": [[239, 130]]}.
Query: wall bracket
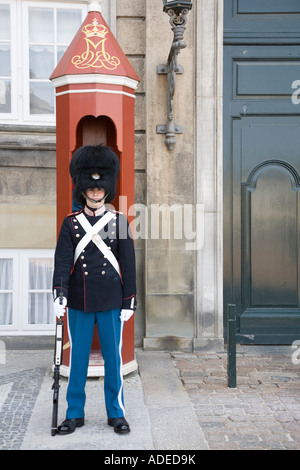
{"points": [[178, 20]]}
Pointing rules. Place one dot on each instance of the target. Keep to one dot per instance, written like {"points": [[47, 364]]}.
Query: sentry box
{"points": [[95, 102]]}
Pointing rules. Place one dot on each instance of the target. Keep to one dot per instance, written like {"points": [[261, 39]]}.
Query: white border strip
{"points": [[95, 78], [112, 92]]}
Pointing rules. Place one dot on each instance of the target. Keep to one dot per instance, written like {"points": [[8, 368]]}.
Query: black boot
{"points": [[69, 425], [120, 425]]}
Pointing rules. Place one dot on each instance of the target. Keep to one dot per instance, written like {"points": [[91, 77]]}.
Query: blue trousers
{"points": [[110, 330]]}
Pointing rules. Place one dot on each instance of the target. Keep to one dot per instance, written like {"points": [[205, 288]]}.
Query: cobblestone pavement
{"points": [[263, 412], [19, 392], [21, 377]]}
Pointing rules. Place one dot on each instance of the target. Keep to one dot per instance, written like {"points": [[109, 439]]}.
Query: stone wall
{"points": [[179, 289], [170, 279], [131, 35], [27, 187], [165, 317]]}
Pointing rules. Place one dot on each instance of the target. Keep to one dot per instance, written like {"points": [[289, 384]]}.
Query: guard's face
{"points": [[96, 195]]}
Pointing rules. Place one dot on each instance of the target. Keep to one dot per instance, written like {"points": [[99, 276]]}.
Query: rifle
{"points": [[58, 353]]}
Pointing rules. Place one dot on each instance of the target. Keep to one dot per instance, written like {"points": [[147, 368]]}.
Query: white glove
{"points": [[126, 314], [59, 309]]}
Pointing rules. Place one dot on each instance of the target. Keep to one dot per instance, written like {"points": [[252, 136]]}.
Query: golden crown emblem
{"points": [[95, 29]]}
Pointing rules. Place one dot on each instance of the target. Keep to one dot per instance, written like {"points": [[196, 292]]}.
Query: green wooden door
{"points": [[262, 170]]}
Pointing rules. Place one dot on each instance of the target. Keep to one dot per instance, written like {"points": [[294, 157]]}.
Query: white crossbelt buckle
{"points": [[93, 235]]}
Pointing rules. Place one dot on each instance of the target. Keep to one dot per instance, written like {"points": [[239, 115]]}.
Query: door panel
{"points": [[265, 226], [261, 21], [261, 193], [270, 255], [272, 209], [265, 6]]}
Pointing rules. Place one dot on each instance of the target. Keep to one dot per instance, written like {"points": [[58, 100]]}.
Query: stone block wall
{"points": [[27, 187]]}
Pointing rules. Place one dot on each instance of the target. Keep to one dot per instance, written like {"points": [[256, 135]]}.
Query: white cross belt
{"points": [[92, 234]]}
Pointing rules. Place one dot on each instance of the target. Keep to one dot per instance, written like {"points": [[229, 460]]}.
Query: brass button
{"points": [[77, 235], [81, 257], [84, 265], [96, 238], [86, 273], [103, 272]]}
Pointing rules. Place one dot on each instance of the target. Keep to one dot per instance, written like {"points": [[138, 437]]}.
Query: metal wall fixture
{"points": [[177, 10]]}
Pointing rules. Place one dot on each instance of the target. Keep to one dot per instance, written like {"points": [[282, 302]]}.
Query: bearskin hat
{"points": [[94, 166]]}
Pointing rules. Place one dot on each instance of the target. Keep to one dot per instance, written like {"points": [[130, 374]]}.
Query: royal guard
{"points": [[95, 269]]}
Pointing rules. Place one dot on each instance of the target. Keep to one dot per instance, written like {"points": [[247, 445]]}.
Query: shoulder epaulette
{"points": [[73, 214]]}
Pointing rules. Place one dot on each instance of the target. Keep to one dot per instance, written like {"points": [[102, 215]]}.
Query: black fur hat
{"points": [[94, 166]]}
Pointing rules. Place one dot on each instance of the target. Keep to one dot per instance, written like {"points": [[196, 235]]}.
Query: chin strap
{"points": [[94, 200]]}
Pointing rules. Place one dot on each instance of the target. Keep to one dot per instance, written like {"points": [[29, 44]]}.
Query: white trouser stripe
{"points": [[121, 370], [70, 340]]}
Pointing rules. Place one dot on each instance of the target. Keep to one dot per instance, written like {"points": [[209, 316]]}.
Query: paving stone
{"points": [[262, 413]]}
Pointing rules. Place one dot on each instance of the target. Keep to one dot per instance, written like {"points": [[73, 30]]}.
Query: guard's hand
{"points": [[126, 314], [59, 308]]}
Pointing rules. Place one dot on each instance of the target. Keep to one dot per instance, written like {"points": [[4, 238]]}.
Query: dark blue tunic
{"points": [[93, 284]]}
